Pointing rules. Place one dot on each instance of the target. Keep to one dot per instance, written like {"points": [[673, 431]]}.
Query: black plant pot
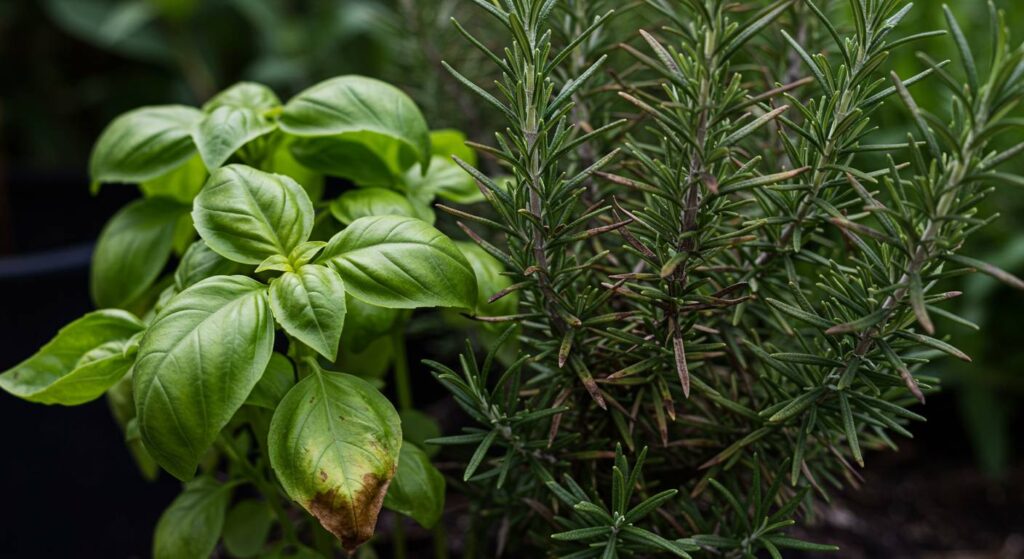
{"points": [[70, 487]]}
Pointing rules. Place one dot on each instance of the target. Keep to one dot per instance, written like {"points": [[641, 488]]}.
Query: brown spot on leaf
{"points": [[352, 523]]}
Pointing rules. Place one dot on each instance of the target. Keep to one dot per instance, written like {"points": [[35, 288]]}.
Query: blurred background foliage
{"points": [[72, 65]]}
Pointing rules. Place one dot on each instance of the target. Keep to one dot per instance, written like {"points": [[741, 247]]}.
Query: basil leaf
{"points": [[282, 162], [490, 279], [418, 428], [357, 104], [310, 305], [247, 95], [199, 263], [444, 179], [225, 130], [447, 143], [181, 184], [364, 202], [418, 488], [334, 443], [79, 364], [196, 366], [401, 262], [277, 380], [247, 527], [191, 526], [144, 144], [364, 323], [364, 158], [133, 249], [247, 215]]}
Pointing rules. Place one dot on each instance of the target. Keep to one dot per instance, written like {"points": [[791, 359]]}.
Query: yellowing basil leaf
{"points": [[79, 364], [200, 358], [133, 249], [144, 144], [356, 104], [418, 488], [402, 263], [364, 202], [310, 305], [247, 215], [191, 526], [334, 443]]}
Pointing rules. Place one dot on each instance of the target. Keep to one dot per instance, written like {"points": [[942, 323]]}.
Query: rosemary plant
{"points": [[735, 284]]}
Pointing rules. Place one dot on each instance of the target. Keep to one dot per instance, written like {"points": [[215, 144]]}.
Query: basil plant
{"points": [[229, 365]]}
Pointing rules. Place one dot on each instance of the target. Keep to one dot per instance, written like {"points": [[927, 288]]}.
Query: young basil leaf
{"points": [[246, 95], [247, 528], [364, 202], [277, 380], [197, 364], [490, 280], [191, 526], [444, 179], [310, 305], [133, 249], [334, 444], [79, 364], [247, 215], [446, 143], [226, 129], [199, 263], [402, 263], [356, 104], [144, 144], [181, 184], [418, 488], [371, 362]]}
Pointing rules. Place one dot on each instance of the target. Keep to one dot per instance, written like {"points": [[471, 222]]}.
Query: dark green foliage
{"points": [[716, 259]]}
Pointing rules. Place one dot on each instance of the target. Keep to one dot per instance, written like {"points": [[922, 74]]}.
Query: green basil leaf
{"points": [[199, 263], [247, 215], [247, 528], [200, 358], [444, 179], [364, 202], [181, 184], [310, 305], [282, 162], [490, 279], [247, 95], [418, 488], [356, 104], [277, 380], [418, 428], [372, 362], [226, 129], [401, 262], [364, 323], [144, 144], [133, 249], [334, 443], [191, 526], [79, 364], [364, 158], [447, 143]]}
